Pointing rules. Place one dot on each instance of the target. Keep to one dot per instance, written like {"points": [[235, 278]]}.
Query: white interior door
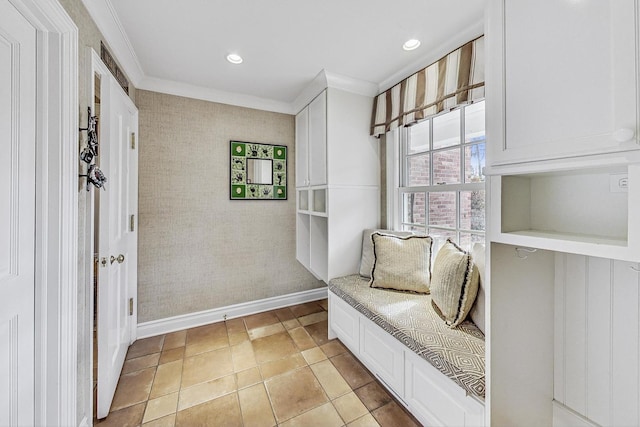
{"points": [[117, 237], [17, 216]]}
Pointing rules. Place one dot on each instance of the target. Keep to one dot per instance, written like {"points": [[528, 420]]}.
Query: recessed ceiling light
{"points": [[411, 44], [234, 58]]}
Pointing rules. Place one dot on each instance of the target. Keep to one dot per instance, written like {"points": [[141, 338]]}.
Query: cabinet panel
{"points": [[302, 148], [302, 239], [318, 140], [436, 400], [382, 352], [344, 322], [567, 90]]}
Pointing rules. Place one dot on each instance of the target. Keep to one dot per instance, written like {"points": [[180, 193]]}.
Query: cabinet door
{"points": [[302, 148], [318, 140], [565, 77]]}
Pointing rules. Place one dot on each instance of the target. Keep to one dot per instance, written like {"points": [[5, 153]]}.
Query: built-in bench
{"points": [[437, 372]]}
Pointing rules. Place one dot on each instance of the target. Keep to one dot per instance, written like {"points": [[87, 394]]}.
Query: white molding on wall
{"points": [[106, 18], [56, 233], [325, 79], [565, 417], [213, 95], [185, 321]]}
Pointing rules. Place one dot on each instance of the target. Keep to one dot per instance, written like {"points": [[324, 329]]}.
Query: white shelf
{"points": [[572, 211]]}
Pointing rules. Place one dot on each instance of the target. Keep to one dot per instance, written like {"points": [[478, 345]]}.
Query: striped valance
{"points": [[455, 79]]}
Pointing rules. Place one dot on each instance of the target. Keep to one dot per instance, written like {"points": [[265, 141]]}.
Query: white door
{"points": [[17, 216], [117, 236]]}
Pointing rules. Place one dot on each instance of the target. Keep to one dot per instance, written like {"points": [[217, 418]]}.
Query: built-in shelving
{"points": [[337, 185], [584, 211]]}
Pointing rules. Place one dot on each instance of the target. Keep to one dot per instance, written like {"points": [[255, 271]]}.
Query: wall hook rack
{"points": [[88, 154], [519, 252]]}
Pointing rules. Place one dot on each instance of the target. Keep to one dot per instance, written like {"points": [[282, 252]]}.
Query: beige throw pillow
{"points": [[401, 263], [366, 262], [477, 311], [454, 284]]}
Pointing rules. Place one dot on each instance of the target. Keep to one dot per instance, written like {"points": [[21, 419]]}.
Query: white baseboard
{"points": [[565, 417], [185, 321]]}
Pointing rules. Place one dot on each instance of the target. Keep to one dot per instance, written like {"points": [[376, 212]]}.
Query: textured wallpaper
{"points": [[197, 249]]}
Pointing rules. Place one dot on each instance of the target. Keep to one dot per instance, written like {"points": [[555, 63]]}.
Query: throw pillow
{"points": [[477, 311], [401, 263], [454, 284], [366, 262]]}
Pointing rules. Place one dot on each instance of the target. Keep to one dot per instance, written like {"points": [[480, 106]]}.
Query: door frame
{"points": [[56, 228]]}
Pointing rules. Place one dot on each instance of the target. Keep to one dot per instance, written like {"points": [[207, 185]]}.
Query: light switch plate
{"points": [[619, 183]]}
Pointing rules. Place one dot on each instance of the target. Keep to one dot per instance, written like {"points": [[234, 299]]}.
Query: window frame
{"points": [[400, 140]]}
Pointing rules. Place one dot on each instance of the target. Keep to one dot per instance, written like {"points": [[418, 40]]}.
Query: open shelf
{"points": [[582, 211]]}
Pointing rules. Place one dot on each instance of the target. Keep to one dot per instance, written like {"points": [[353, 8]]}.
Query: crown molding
{"points": [[106, 18], [472, 32], [214, 95], [325, 79]]}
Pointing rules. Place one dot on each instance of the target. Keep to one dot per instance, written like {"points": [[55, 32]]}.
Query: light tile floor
{"points": [[268, 369]]}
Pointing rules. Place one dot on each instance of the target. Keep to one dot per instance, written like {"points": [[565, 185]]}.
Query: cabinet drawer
{"points": [[383, 354], [436, 400], [344, 322]]}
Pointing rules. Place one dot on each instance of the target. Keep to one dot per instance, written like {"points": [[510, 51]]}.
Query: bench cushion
{"points": [[457, 353]]}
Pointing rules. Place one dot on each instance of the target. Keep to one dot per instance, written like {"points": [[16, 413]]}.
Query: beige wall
{"points": [[89, 36], [197, 249]]}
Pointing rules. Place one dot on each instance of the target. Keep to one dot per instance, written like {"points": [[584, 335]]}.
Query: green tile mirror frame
{"points": [[258, 171]]}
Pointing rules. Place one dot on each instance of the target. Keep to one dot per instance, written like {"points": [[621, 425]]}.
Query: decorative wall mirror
{"points": [[258, 171]]}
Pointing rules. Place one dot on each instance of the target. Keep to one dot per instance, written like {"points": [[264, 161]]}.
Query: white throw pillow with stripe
{"points": [[454, 284], [401, 263]]}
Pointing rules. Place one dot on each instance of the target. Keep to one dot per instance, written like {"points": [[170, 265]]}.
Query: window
{"points": [[441, 190]]}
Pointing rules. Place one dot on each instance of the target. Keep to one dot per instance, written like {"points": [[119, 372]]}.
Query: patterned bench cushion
{"points": [[457, 353]]}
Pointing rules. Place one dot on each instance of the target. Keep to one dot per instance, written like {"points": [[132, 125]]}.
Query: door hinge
{"points": [[132, 222], [133, 140], [130, 306]]}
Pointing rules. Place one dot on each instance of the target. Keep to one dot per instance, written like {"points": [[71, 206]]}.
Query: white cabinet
{"points": [[302, 148], [562, 79], [311, 143], [318, 140], [433, 398], [337, 182]]}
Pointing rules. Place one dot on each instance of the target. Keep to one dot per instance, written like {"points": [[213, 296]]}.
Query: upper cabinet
{"points": [[562, 79], [311, 143]]}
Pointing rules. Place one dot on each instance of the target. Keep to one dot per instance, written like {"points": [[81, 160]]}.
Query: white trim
{"points": [[56, 297], [185, 321], [565, 417], [106, 18], [325, 79], [213, 95], [392, 145]]}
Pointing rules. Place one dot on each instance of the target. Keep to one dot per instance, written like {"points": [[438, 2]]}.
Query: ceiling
{"points": [[180, 47]]}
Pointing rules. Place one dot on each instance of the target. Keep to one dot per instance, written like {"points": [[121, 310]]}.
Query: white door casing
{"points": [[55, 230], [117, 234], [17, 216]]}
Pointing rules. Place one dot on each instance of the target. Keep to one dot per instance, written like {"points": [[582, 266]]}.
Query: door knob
{"points": [[120, 259]]}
